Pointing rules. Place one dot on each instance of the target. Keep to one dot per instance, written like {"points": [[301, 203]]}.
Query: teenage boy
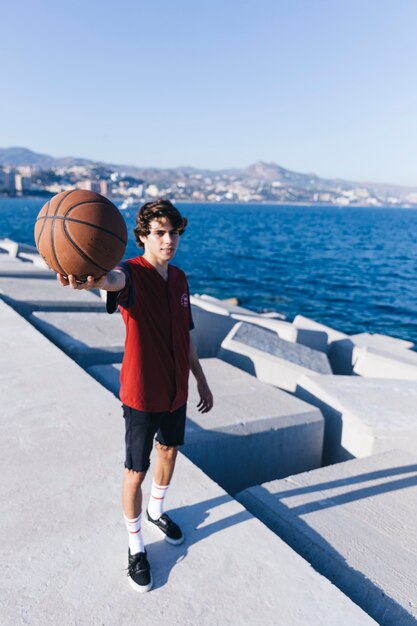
{"points": [[153, 298]]}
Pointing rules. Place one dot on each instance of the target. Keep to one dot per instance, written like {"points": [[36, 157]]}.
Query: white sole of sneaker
{"points": [[173, 542], [140, 588]]}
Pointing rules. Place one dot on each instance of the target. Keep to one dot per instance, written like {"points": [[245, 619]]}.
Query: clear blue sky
{"points": [[324, 86]]}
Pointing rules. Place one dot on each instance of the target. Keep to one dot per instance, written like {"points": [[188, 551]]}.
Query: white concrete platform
{"points": [[374, 363], [363, 416], [253, 431], [260, 352], [88, 338], [28, 293], [355, 522], [62, 538]]}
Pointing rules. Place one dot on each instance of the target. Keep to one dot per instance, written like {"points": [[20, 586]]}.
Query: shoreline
{"points": [[323, 205]]}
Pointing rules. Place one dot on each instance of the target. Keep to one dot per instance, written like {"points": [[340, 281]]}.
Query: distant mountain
{"points": [[258, 172], [23, 156]]}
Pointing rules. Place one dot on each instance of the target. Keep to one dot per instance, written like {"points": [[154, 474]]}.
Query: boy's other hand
{"points": [[206, 397]]}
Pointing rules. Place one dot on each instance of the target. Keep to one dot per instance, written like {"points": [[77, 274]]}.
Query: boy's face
{"points": [[162, 242]]}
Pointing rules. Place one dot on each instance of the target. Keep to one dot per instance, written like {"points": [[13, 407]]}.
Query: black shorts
{"points": [[141, 428]]}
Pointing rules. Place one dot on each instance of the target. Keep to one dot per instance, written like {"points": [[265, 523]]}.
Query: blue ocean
{"points": [[354, 269]]}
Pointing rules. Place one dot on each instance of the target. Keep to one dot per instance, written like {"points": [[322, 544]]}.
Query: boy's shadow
{"points": [[164, 556]]}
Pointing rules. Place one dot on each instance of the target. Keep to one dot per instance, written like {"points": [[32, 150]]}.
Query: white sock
{"points": [[135, 534], [156, 501]]}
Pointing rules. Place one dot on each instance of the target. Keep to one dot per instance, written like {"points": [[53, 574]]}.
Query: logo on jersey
{"points": [[184, 300]]}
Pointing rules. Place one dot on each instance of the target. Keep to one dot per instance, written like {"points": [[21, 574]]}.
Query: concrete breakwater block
{"points": [[370, 362], [355, 523], [214, 318], [286, 330], [381, 342], [363, 416], [88, 338], [211, 325], [29, 294], [63, 440], [343, 353], [260, 352], [253, 431], [321, 336]]}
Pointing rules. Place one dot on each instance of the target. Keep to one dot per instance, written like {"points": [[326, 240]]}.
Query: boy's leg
{"points": [[165, 463], [170, 435], [140, 430], [132, 492], [132, 509]]}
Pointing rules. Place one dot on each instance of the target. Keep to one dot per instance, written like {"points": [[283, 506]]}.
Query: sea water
{"points": [[354, 269]]}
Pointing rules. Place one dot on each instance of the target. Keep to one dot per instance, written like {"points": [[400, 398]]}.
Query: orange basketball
{"points": [[81, 233]]}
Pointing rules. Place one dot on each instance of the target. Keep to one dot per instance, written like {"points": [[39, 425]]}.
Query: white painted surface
{"points": [[62, 537], [355, 522]]}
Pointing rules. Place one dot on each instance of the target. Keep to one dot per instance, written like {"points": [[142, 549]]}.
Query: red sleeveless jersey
{"points": [[157, 314]]}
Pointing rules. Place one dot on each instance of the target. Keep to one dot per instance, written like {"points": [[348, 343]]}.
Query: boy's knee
{"points": [[169, 452], [133, 477]]}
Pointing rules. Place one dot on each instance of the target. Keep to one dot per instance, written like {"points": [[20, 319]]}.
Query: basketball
{"points": [[81, 233]]}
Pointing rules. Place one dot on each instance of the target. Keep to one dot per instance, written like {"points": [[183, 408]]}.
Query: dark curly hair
{"points": [[155, 211]]}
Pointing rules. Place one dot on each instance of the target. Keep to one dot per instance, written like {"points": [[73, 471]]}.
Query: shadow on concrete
{"points": [[312, 546], [164, 557]]}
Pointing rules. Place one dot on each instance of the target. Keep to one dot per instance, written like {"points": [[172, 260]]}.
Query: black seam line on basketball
{"points": [[84, 254], [94, 202], [43, 225], [73, 219], [52, 229]]}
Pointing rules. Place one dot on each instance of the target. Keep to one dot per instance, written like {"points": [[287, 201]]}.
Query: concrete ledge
{"points": [[62, 538], [363, 416], [88, 338], [355, 523], [260, 352], [253, 431]]}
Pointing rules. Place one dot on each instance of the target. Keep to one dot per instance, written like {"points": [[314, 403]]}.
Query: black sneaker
{"points": [[139, 572], [169, 529]]}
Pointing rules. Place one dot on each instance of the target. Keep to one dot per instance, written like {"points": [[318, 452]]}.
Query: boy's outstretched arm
{"points": [[206, 397], [114, 280]]}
